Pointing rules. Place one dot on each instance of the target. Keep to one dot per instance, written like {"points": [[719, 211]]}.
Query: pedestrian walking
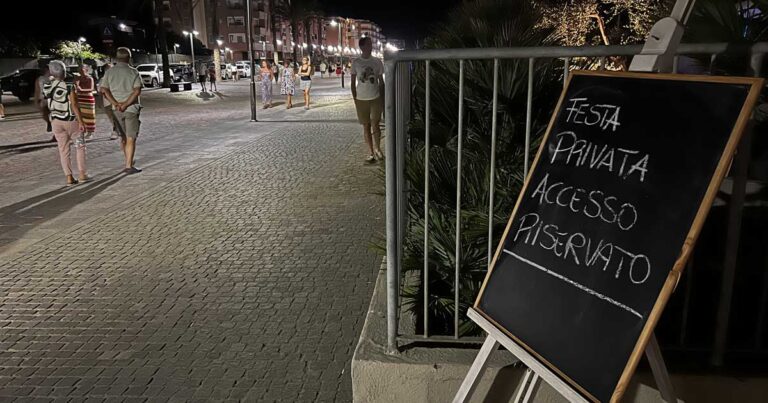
{"points": [[265, 78], [84, 87], [212, 77], [41, 102], [202, 72], [323, 69], [275, 71], [122, 87], [116, 128], [66, 121], [305, 77], [288, 83], [367, 92]]}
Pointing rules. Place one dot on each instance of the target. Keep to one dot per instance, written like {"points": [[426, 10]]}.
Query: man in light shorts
{"points": [[121, 85], [368, 93]]}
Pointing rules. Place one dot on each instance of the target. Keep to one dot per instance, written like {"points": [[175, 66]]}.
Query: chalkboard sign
{"points": [[620, 187]]}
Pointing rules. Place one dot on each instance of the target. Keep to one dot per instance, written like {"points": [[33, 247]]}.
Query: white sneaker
{"points": [[370, 158], [379, 155], [113, 136]]}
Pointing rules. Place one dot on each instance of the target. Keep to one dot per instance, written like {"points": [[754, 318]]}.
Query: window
{"points": [[167, 5], [236, 38], [167, 22], [236, 21], [236, 4]]}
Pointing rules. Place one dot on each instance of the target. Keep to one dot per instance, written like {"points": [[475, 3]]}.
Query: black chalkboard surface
{"points": [[620, 187]]}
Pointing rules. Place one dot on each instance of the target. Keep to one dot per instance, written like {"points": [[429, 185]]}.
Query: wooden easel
{"points": [[537, 371], [656, 56]]}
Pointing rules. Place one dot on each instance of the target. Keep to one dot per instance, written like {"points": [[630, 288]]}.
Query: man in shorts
{"points": [[121, 86], [368, 93], [202, 74]]}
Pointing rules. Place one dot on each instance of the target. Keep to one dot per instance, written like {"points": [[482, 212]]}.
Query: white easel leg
{"points": [[523, 386], [659, 369], [529, 393], [476, 371]]}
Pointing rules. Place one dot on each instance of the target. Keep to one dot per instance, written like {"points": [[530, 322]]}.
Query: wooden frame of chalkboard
{"points": [[755, 85]]}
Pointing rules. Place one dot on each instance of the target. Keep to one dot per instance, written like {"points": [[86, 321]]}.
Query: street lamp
{"points": [[122, 26], [192, 48], [80, 42], [334, 23]]}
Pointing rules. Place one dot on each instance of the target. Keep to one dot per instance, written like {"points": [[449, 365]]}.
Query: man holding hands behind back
{"points": [[121, 86]]}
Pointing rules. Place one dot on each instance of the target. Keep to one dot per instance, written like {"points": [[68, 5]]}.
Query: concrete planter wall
{"points": [[428, 374]]}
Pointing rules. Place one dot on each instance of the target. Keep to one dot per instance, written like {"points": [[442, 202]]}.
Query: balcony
{"points": [[235, 4]]}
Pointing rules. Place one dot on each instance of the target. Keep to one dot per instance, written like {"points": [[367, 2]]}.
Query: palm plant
{"points": [[483, 23], [298, 14]]}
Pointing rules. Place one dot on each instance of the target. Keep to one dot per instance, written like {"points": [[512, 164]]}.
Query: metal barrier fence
{"points": [[398, 100]]}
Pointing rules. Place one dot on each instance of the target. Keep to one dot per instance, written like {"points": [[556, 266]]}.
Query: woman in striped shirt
{"points": [[85, 99]]}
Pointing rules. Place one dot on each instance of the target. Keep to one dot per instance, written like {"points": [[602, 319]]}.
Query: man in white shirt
{"points": [[368, 93], [121, 85]]}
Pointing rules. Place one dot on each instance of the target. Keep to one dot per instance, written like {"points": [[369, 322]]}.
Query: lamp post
{"points": [[249, 34], [340, 48], [192, 49], [80, 42], [280, 44]]}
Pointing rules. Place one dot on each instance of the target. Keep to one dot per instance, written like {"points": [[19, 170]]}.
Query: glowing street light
{"points": [[192, 48], [122, 26], [80, 42]]}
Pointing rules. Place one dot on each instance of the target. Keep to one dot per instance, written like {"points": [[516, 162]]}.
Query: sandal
{"points": [[73, 183]]}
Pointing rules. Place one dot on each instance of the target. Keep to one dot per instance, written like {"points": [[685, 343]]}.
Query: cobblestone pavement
{"points": [[236, 267]]}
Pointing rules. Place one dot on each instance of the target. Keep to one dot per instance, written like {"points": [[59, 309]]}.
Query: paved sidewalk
{"points": [[240, 276]]}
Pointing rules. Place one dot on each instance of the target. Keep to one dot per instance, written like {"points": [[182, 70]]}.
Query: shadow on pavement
{"points": [[23, 148], [18, 218], [205, 95]]}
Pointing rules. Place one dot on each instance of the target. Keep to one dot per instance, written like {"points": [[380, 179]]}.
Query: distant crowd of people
{"points": [[68, 105]]}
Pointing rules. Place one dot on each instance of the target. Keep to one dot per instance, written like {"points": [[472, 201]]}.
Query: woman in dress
{"points": [[288, 83], [84, 86], [265, 77], [305, 76]]}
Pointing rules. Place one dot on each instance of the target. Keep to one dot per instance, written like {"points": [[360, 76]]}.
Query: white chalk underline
{"points": [[575, 284]]}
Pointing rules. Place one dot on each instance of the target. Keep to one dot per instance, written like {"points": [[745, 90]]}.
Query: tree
{"points": [[298, 13], [18, 46], [577, 22], [76, 50]]}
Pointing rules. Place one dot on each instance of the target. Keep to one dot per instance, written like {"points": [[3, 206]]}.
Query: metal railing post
{"points": [[528, 123], [427, 113], [458, 201], [393, 264], [492, 184]]}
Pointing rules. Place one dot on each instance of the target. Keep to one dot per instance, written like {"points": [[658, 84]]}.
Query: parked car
{"points": [[244, 68], [151, 74], [227, 71], [181, 72], [20, 83]]}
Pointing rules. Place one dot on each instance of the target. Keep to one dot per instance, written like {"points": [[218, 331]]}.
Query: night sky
{"points": [[47, 20]]}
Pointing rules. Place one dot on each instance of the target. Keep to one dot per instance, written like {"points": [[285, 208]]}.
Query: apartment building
{"points": [[225, 21]]}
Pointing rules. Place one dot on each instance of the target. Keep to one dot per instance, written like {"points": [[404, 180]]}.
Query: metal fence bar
{"points": [[528, 113], [427, 114], [402, 110], [458, 201], [552, 52], [566, 70], [492, 174], [391, 207]]}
